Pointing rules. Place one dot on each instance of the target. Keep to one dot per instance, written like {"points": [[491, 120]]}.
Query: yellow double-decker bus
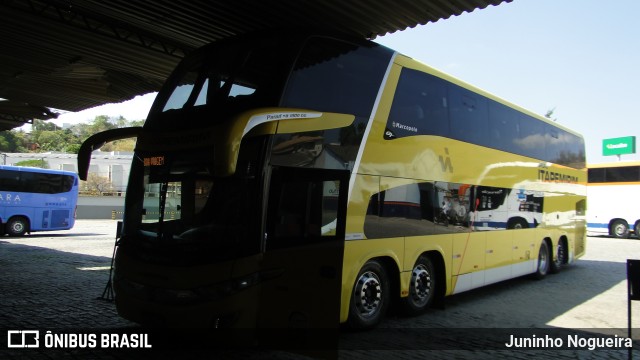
{"points": [[314, 179]]}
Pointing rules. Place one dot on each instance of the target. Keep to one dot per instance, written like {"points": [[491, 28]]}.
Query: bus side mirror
{"points": [[96, 141]]}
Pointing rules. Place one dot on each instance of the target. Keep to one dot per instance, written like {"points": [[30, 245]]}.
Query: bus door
{"points": [[303, 252]]}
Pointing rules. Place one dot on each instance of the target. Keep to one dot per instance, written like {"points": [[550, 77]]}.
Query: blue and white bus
{"points": [[33, 199]]}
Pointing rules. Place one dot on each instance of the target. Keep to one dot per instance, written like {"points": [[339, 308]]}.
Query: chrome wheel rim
{"points": [[420, 285], [543, 259], [368, 294], [17, 227]]}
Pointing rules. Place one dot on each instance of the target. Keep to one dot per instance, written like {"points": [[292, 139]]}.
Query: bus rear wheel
{"points": [[620, 229], [543, 261], [17, 226], [370, 297], [421, 288], [561, 257]]}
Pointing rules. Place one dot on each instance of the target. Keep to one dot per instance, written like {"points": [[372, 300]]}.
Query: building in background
{"points": [[113, 166]]}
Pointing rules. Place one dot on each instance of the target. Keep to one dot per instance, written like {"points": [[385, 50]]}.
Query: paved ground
{"points": [[50, 282]]}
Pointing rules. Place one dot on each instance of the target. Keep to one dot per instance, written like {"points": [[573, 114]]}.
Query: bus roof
{"points": [[36, 170]]}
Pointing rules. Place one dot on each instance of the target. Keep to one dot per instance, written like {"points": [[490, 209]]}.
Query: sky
{"points": [[580, 58]]}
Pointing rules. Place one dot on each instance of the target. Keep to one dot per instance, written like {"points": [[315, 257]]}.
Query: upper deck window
{"points": [[223, 79], [428, 105], [337, 76]]}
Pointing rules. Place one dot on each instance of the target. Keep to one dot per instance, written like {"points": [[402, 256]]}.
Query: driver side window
{"points": [[302, 211]]}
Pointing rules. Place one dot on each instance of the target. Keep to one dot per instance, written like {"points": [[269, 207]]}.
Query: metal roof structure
{"points": [[72, 55]]}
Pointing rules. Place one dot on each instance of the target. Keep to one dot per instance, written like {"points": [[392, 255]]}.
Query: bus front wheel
{"points": [[421, 288], [370, 297], [17, 226]]}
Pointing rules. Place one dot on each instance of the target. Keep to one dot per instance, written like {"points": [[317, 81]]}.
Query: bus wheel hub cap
{"points": [[421, 281], [368, 293]]}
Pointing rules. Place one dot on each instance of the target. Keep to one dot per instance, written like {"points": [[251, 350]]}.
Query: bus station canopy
{"points": [[71, 55]]}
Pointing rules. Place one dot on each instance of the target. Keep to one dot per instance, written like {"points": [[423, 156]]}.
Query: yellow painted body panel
{"points": [[487, 254]]}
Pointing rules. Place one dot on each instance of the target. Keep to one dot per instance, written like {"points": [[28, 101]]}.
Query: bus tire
{"points": [[561, 256], [370, 298], [636, 229], [422, 287], [543, 261], [620, 229], [17, 226], [517, 223]]}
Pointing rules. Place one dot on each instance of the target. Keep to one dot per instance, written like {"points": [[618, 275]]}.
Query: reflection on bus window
{"points": [[427, 105], [442, 208], [304, 212]]}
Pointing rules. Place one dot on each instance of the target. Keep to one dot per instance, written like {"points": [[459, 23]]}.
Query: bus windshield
{"points": [[187, 213]]}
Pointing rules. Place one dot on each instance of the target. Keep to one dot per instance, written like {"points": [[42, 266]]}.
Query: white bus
{"points": [[499, 208], [614, 193]]}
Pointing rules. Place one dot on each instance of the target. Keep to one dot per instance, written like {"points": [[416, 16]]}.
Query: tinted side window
{"points": [[573, 153], [336, 76], [67, 182], [419, 106], [35, 182], [10, 181], [531, 138], [620, 174], [417, 209], [427, 105], [596, 175], [503, 127], [303, 211], [554, 144], [41, 183], [468, 115]]}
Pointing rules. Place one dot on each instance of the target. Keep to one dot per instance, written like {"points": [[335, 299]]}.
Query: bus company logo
{"points": [[445, 161], [7, 197], [397, 125], [23, 338], [552, 176]]}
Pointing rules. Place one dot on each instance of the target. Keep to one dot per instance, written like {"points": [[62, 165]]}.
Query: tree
{"points": [[73, 148], [13, 141], [96, 184], [42, 125], [41, 163], [46, 136]]}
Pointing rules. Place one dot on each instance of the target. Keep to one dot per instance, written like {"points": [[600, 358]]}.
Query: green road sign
{"points": [[619, 146]]}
